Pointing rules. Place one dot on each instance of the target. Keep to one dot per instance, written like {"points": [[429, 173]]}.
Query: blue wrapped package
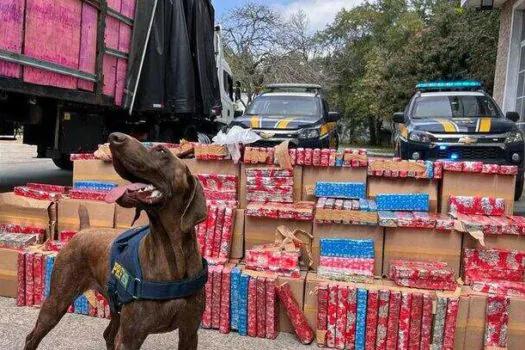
{"points": [[347, 248], [81, 305], [360, 327], [243, 305], [430, 169], [94, 185], [235, 279], [50, 262], [363, 205], [372, 206], [403, 201], [346, 190]]}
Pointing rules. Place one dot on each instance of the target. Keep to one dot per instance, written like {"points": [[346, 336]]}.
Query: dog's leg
{"points": [[188, 337], [132, 330], [111, 332]]}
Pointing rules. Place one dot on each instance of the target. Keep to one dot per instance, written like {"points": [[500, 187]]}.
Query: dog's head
{"points": [[159, 181]]}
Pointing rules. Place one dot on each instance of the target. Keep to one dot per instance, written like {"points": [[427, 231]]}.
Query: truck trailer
{"points": [[73, 71]]}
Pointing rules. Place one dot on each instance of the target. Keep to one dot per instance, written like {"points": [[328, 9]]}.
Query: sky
{"points": [[319, 12]]}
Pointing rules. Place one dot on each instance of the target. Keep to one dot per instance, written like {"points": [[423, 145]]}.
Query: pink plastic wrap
{"points": [[332, 315], [217, 235], [426, 322], [393, 320], [216, 298], [404, 322], [29, 279], [322, 312], [21, 280], [506, 288], [450, 324], [224, 321], [252, 307], [382, 319], [208, 289], [508, 170], [341, 320], [476, 205], [272, 309], [496, 331], [295, 314], [351, 318], [210, 230], [37, 278], [416, 311], [261, 307], [371, 319]]}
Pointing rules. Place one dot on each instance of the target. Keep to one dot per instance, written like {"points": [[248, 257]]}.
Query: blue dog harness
{"points": [[126, 283]]}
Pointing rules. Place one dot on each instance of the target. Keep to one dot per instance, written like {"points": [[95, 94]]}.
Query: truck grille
{"points": [[472, 153]]}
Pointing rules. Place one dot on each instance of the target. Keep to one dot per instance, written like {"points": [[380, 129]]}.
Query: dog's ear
{"points": [[195, 211]]}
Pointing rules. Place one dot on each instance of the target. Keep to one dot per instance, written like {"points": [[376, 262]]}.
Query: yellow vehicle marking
{"points": [[255, 122], [283, 124], [326, 128], [404, 131], [485, 124], [448, 126]]}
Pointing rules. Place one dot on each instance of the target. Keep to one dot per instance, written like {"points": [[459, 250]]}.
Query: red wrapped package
{"points": [[218, 182], [36, 194], [252, 307], [371, 319], [210, 230], [382, 319], [506, 288], [82, 156], [272, 309], [224, 322], [493, 264], [453, 166], [216, 298], [261, 307], [473, 205], [300, 156], [414, 269], [404, 321], [351, 318], [508, 170], [438, 170], [308, 156], [490, 169], [87, 194], [293, 155], [217, 235], [48, 188], [332, 158], [316, 157], [416, 311], [37, 278], [208, 289], [295, 314], [322, 313], [505, 225], [332, 315], [393, 320], [426, 284], [29, 279], [325, 157], [341, 312], [201, 237], [21, 280], [450, 324], [227, 233], [426, 322], [66, 235], [472, 167], [496, 331], [520, 222]]}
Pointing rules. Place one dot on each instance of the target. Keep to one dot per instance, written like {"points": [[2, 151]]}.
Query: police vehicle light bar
{"points": [[444, 85]]}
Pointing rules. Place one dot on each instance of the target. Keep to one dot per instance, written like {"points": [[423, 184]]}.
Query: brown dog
{"points": [[174, 203]]}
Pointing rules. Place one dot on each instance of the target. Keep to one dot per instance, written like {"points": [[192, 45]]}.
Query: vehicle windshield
{"points": [[458, 106], [284, 106]]}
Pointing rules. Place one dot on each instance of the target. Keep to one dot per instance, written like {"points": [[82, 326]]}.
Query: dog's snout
{"points": [[117, 138]]}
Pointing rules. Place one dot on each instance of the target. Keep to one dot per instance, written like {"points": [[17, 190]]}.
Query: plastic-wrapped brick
{"points": [[382, 319], [508, 170], [439, 323], [210, 230], [346, 190], [426, 322], [227, 233], [476, 205], [450, 324], [325, 157], [472, 167], [224, 322], [295, 313], [49, 264], [300, 156], [216, 298], [243, 304], [21, 280], [272, 309], [393, 320], [29, 279], [438, 170], [490, 169], [261, 307], [351, 318], [404, 321], [371, 319], [497, 319], [37, 278], [360, 329], [252, 307], [341, 318], [217, 235], [201, 237], [322, 313], [316, 157], [331, 315], [416, 312], [507, 288], [235, 277]]}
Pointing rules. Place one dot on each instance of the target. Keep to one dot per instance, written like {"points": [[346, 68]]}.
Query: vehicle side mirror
{"points": [[514, 116], [237, 114], [333, 117], [399, 117]]}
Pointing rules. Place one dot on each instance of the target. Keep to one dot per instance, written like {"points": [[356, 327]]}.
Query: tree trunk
{"points": [[372, 130]]}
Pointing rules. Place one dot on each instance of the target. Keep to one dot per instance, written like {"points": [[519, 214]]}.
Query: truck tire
{"points": [[63, 162], [519, 188]]}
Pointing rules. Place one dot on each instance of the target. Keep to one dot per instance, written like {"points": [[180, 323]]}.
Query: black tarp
{"points": [[179, 73]]}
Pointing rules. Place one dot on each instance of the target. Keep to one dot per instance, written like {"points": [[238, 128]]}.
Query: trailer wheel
{"points": [[63, 162]]}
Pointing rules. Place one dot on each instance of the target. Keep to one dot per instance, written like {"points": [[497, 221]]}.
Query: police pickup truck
{"points": [[295, 112], [458, 121]]}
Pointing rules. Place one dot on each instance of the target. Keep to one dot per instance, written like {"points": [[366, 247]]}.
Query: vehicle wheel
{"points": [[519, 188], [334, 141], [63, 162]]}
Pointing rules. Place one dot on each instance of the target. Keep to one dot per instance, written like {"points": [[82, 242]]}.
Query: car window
{"points": [[454, 107], [284, 106]]}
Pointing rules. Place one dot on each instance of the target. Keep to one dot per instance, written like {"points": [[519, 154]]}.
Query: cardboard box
{"points": [[475, 331], [8, 272], [124, 217], [237, 251], [516, 242], [101, 214], [461, 323], [473, 184], [27, 211], [332, 174], [351, 232], [227, 167], [297, 182], [377, 185], [422, 244], [262, 230], [95, 170]]}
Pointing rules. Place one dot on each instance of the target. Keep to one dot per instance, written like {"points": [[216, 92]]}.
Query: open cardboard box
{"points": [[351, 232], [333, 174], [378, 185], [8, 272], [101, 214], [297, 182], [477, 184], [95, 170], [259, 231], [28, 212], [422, 244]]}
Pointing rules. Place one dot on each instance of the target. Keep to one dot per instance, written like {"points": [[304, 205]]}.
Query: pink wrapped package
{"points": [[261, 307], [325, 157], [444, 222], [21, 280], [316, 157], [497, 321], [472, 167], [506, 226], [252, 307], [216, 297], [227, 233], [493, 264], [37, 278], [450, 324], [332, 315], [382, 319], [404, 322], [416, 313], [272, 309], [393, 320], [341, 317], [371, 319], [351, 317], [438, 170], [217, 235], [453, 166], [210, 230], [426, 322], [490, 169], [308, 156], [36, 194], [322, 313], [224, 321], [508, 170], [293, 155], [300, 156], [506, 288], [29, 279], [208, 289], [295, 314], [473, 205], [520, 222]]}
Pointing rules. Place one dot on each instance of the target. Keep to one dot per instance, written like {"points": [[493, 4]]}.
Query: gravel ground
{"points": [[85, 333]]}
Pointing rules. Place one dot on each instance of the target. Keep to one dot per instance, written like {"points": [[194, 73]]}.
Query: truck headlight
{"points": [[514, 137], [310, 133], [420, 136]]}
